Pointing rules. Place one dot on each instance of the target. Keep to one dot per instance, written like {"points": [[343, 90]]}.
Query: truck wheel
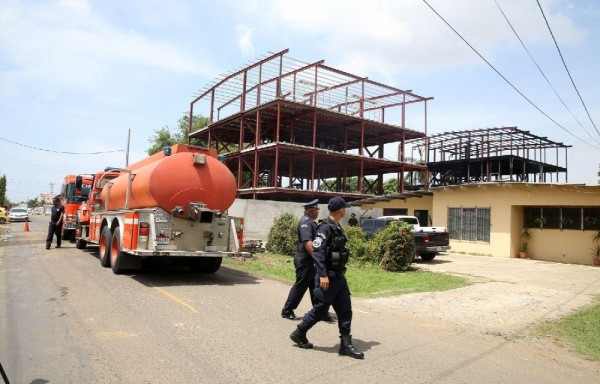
{"points": [[121, 261], [116, 256], [79, 243], [105, 237], [2, 220], [427, 256], [214, 263]]}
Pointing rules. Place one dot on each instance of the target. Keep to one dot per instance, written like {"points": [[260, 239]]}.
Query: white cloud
{"points": [[244, 39], [68, 43], [390, 36]]}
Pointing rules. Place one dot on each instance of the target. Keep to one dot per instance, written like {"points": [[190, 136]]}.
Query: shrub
{"points": [[282, 236], [357, 244], [395, 246]]}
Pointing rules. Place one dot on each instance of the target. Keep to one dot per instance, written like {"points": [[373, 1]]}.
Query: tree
{"points": [[164, 137], [3, 201]]}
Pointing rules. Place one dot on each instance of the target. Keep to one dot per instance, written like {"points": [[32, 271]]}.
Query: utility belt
{"points": [[338, 273]]}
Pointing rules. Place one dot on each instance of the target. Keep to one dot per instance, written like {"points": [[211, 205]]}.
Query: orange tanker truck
{"points": [[172, 204]]}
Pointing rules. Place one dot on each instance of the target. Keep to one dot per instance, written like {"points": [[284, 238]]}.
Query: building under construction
{"points": [[292, 131], [494, 154]]}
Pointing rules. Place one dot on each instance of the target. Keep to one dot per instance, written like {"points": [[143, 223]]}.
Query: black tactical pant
{"points": [[54, 229], [338, 296], [305, 279]]}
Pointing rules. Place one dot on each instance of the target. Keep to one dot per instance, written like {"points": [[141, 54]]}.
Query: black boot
{"points": [[299, 338], [347, 349]]}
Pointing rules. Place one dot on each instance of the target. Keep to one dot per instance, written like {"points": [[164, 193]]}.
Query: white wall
{"points": [[259, 215]]}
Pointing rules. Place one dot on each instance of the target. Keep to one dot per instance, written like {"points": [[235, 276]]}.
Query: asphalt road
{"points": [[65, 319]]}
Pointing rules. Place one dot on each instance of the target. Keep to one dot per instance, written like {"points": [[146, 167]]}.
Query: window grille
{"points": [[469, 224], [591, 218], [550, 218], [574, 218], [570, 218]]}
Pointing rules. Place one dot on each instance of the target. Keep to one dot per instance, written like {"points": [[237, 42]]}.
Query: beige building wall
{"points": [[411, 204], [506, 202]]}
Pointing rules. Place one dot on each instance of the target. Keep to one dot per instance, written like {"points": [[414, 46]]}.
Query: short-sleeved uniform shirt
{"points": [[307, 228], [55, 213]]}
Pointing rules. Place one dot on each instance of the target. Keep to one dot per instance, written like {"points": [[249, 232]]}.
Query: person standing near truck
{"points": [[330, 256], [57, 214]]}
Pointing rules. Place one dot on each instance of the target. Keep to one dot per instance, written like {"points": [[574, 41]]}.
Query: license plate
{"points": [[439, 249], [162, 240]]}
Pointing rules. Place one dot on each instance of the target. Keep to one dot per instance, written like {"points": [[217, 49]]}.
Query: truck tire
{"points": [[79, 243], [214, 263], [2, 220], [105, 241], [120, 261], [428, 256], [116, 256]]}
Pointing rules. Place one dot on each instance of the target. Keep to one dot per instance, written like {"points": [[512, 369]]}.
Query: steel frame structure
{"points": [[289, 129], [491, 154]]}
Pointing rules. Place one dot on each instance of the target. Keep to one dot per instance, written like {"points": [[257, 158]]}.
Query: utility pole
{"points": [[127, 150]]}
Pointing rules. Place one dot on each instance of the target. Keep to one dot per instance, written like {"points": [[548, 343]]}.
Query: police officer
{"points": [[353, 222], [56, 222], [305, 270], [330, 256]]}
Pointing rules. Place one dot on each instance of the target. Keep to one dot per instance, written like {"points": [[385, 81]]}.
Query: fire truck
{"points": [[172, 204], [72, 198]]}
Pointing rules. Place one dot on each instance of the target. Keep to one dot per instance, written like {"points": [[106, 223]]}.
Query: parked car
{"points": [[429, 241], [18, 214], [3, 216]]}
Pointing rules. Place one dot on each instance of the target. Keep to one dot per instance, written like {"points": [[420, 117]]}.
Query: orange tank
{"points": [[187, 175]]}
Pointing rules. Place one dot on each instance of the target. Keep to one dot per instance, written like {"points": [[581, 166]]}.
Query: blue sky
{"points": [[75, 75]]}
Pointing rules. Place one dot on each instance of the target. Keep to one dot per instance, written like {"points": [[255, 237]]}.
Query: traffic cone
{"points": [[26, 226]]}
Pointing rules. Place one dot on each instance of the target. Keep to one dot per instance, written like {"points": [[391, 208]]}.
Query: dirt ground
{"points": [[508, 296]]}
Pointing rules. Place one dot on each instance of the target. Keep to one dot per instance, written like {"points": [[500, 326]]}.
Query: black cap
{"points": [[337, 203], [56, 198], [312, 204]]}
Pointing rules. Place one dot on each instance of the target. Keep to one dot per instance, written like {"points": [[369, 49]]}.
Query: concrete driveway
{"points": [[508, 295]]}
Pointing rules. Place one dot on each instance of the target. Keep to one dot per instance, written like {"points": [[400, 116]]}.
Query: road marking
{"points": [[175, 298]]}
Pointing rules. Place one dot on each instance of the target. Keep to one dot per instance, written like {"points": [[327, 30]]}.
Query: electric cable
{"points": [[542, 72], [63, 152], [566, 68], [506, 80]]}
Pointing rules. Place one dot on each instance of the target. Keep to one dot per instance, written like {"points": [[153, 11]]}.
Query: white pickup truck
{"points": [[429, 241]]}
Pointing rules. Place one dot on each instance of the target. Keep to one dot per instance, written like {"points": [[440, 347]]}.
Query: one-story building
{"points": [[489, 218]]}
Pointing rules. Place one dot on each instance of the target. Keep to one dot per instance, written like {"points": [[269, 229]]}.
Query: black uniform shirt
{"points": [[55, 213], [321, 244], [307, 228]]}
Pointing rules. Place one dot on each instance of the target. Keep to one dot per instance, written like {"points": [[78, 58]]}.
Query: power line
{"points": [[505, 79], [566, 68], [63, 152], [542, 72]]}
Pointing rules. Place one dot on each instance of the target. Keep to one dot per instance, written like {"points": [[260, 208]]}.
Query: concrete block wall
{"points": [[259, 215]]}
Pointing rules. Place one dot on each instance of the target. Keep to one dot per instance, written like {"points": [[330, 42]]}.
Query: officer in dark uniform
{"points": [[56, 222], [330, 256], [305, 270]]}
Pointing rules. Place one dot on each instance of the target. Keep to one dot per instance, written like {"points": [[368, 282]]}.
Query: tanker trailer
{"points": [[172, 205]]}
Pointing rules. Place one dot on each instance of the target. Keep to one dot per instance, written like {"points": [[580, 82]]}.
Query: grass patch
{"points": [[364, 280], [580, 329]]}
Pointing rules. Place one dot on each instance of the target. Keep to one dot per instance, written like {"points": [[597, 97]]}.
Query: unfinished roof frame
{"points": [[288, 126], [490, 154]]}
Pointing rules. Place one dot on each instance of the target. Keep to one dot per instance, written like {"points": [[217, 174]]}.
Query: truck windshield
{"points": [[71, 196]]}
